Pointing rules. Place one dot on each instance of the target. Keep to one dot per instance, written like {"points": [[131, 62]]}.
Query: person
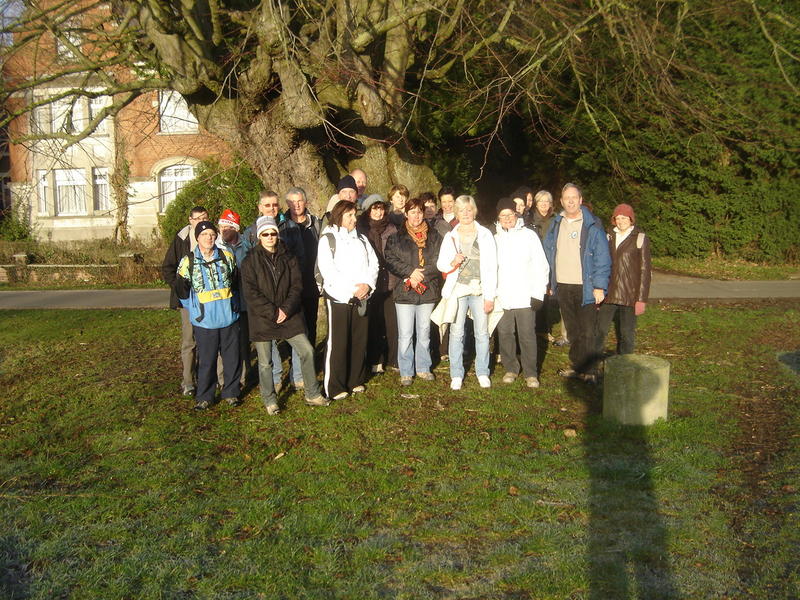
{"points": [[374, 225], [207, 283], [522, 273], [443, 223], [398, 196], [268, 206], [360, 177], [273, 285], [430, 205], [346, 189], [580, 266], [230, 240], [182, 244], [411, 255], [629, 286], [539, 219], [300, 231], [469, 255], [349, 270]]}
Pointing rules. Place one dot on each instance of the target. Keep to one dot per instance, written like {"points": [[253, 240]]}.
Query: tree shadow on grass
{"points": [[627, 552], [14, 570]]}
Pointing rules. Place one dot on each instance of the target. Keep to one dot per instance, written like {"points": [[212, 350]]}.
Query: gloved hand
{"points": [[536, 304]]}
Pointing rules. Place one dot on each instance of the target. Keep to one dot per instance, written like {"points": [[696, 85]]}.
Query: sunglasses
{"points": [[270, 234]]}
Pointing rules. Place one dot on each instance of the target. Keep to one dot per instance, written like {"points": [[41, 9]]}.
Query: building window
{"points": [[65, 113], [170, 181], [101, 189], [70, 36], [41, 191], [40, 119], [70, 192], [96, 105], [174, 114]]}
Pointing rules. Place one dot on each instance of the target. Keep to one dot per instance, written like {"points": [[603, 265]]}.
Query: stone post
{"points": [[636, 389], [21, 271], [130, 266]]}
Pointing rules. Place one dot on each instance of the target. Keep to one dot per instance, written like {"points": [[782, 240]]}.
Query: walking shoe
{"points": [[377, 368], [426, 376], [299, 385], [532, 382], [590, 378], [484, 381], [358, 389], [233, 401], [406, 380], [569, 372], [187, 390], [455, 383], [444, 358], [202, 405], [272, 409], [318, 401], [561, 342], [509, 377], [278, 387], [340, 396]]}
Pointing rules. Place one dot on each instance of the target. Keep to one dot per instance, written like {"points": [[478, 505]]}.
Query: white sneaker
{"points": [[340, 396], [484, 381], [455, 383], [509, 377], [532, 382], [377, 368]]}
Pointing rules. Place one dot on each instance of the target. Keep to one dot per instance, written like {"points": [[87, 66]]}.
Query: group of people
{"points": [[386, 269]]}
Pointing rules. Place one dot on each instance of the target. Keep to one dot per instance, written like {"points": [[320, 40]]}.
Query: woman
{"points": [[629, 286], [539, 219], [469, 255], [349, 270], [273, 286], [411, 256], [398, 196], [374, 224], [206, 283]]}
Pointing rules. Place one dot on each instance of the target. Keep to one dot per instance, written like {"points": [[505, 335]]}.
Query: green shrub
{"points": [[14, 227], [216, 188]]}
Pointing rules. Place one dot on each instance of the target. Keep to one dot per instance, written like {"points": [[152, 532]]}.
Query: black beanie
{"points": [[346, 182], [202, 226], [506, 203]]}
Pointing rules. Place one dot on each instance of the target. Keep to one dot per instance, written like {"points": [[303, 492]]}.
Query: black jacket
{"points": [[179, 248], [271, 282], [402, 257]]}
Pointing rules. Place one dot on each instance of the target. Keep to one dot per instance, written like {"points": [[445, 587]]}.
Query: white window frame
{"points": [[96, 105], [74, 38], [171, 180], [70, 192], [65, 115], [42, 190], [40, 119], [101, 189], [174, 115]]}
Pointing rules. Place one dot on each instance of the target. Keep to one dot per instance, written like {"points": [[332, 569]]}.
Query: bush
{"points": [[14, 227], [216, 188]]}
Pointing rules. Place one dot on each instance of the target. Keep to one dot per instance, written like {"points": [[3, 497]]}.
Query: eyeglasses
{"points": [[270, 205], [270, 234]]}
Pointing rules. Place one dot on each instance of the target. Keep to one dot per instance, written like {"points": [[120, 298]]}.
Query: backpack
{"points": [[184, 289], [332, 243]]}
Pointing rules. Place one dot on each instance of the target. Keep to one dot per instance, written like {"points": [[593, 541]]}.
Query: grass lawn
{"points": [[112, 487], [727, 268]]}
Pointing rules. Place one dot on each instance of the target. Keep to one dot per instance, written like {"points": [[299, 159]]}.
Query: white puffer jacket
{"points": [[353, 262], [522, 269]]}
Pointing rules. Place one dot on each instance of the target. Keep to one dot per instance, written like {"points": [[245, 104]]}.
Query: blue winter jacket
{"points": [[209, 290], [595, 258]]}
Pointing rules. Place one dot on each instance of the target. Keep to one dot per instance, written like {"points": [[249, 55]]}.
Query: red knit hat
{"points": [[229, 217], [626, 210]]}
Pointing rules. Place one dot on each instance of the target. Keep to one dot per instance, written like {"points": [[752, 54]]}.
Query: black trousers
{"points": [[211, 343], [346, 348], [382, 334], [581, 323], [310, 306], [626, 327]]}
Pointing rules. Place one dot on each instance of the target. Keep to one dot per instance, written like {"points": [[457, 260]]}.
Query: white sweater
{"points": [[353, 262], [522, 269], [488, 261]]}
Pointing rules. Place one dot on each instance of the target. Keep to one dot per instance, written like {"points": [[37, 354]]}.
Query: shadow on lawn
{"points": [[14, 573], [627, 553]]}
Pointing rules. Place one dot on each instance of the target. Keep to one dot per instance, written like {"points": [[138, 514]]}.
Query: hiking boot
{"points": [[377, 368], [484, 381], [406, 380], [202, 405], [358, 389], [298, 385], [455, 383], [233, 401], [187, 390], [532, 382], [318, 401], [272, 409], [509, 378], [561, 342], [426, 376], [569, 373]]}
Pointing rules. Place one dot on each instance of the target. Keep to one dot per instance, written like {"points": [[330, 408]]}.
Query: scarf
{"points": [[420, 236]]}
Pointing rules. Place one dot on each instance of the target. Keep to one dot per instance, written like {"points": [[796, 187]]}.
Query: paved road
{"points": [[664, 287]]}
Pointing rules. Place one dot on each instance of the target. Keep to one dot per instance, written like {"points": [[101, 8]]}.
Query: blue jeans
{"points": [[300, 344], [412, 359], [277, 368], [480, 323]]}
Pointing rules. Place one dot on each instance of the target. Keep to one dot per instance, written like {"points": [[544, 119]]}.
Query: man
{"points": [[346, 189], [183, 243], [268, 206], [230, 240], [300, 231], [272, 284], [522, 272], [360, 177], [580, 267]]}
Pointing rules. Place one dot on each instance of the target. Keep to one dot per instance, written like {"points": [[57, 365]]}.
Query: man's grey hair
{"points": [[573, 186], [296, 190]]}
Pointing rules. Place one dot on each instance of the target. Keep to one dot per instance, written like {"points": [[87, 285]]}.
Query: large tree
{"points": [[303, 89]]}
